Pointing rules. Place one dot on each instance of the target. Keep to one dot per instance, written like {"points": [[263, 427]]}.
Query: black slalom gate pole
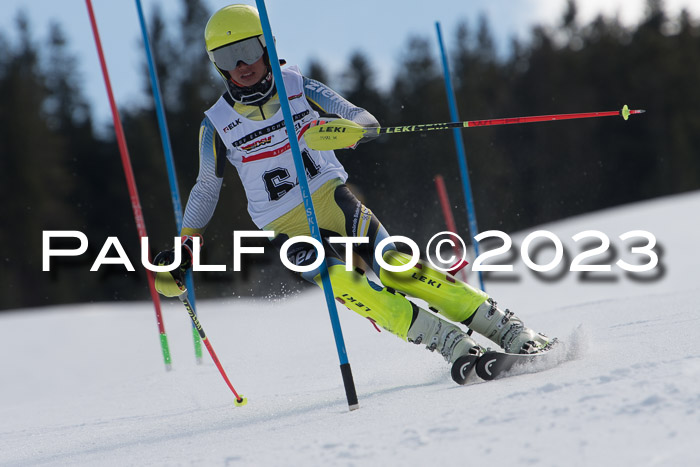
{"points": [[346, 373]]}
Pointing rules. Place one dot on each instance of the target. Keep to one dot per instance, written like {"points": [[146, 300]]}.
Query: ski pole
{"points": [[240, 400], [625, 112], [337, 134]]}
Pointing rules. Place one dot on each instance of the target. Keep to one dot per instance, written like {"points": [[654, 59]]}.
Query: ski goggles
{"points": [[247, 51]]}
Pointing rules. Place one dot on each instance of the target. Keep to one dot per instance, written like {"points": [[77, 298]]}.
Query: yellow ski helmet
{"points": [[234, 34], [231, 24]]}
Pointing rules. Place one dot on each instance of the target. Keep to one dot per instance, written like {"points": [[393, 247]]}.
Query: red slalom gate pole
{"points": [[447, 214], [131, 183]]}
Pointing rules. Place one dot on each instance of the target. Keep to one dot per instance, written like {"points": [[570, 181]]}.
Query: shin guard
{"points": [[453, 298], [388, 309]]}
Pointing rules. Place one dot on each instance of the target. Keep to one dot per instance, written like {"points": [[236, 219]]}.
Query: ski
{"points": [[493, 364], [462, 367]]}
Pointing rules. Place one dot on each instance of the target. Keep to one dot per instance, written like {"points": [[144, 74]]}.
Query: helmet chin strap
{"points": [[235, 82]]}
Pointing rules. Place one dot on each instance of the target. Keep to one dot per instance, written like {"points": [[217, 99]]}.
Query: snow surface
{"points": [[85, 384]]}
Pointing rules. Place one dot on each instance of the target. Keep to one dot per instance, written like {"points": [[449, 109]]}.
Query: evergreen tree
{"points": [[61, 176], [35, 156], [417, 96], [315, 70], [365, 164]]}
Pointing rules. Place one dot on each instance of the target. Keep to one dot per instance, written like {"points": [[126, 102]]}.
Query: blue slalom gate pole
{"points": [[169, 163], [461, 156], [308, 205]]}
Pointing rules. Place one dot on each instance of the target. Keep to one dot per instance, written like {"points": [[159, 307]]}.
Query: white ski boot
{"points": [[506, 329], [453, 344]]}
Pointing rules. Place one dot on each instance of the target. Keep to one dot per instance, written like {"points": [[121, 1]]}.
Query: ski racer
{"points": [[245, 126]]}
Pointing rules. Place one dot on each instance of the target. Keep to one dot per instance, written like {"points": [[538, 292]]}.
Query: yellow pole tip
{"points": [[241, 402], [625, 112]]}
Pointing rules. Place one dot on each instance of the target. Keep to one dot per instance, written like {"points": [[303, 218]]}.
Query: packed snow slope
{"points": [[85, 385]]}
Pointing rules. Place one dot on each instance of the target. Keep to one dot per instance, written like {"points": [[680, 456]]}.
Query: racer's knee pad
{"points": [[453, 298], [388, 309]]}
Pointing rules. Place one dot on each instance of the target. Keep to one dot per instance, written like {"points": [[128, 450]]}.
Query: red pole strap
{"points": [[126, 162]]}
